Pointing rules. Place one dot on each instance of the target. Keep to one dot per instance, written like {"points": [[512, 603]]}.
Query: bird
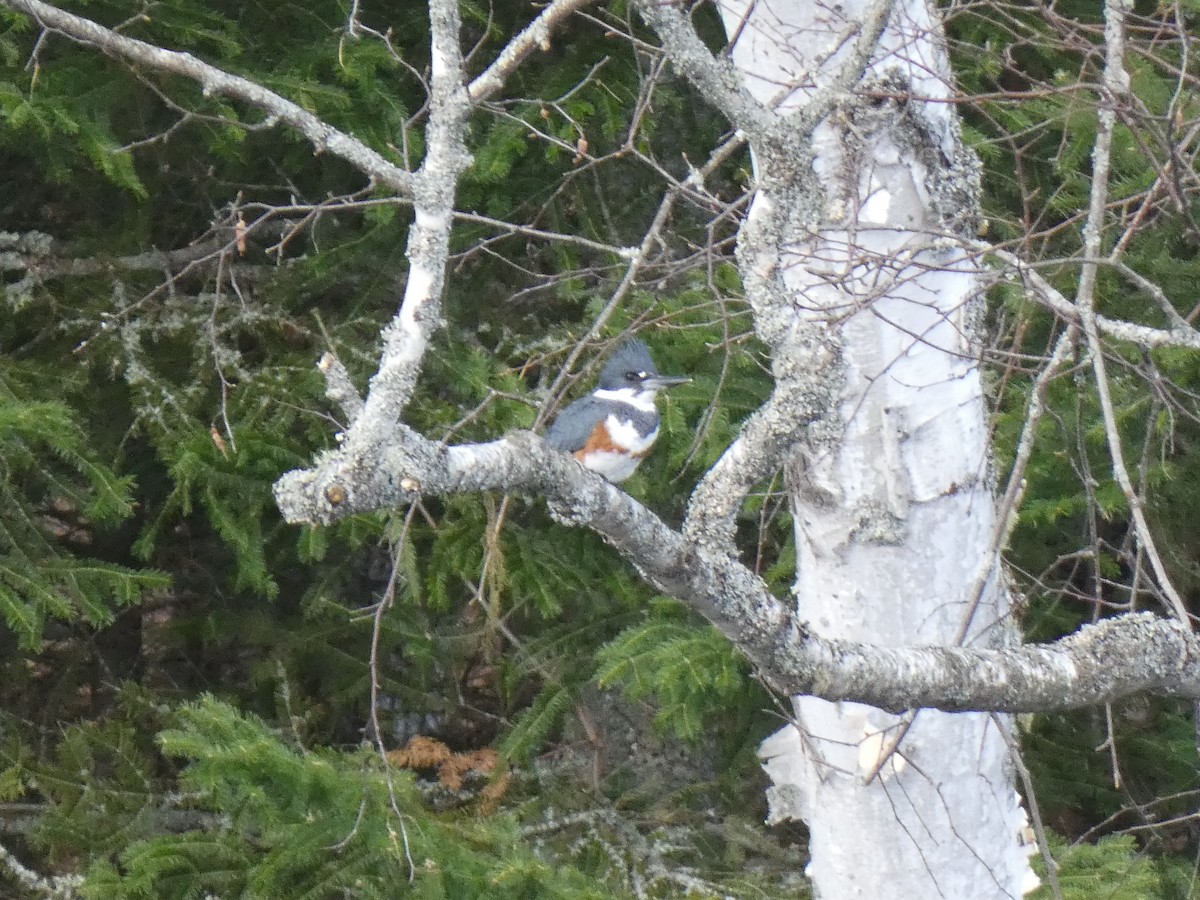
{"points": [[612, 429]]}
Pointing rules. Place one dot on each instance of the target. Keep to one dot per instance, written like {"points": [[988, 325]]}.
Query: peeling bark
{"points": [[859, 262]]}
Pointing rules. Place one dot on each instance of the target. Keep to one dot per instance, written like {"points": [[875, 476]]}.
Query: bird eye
{"points": [[633, 377]]}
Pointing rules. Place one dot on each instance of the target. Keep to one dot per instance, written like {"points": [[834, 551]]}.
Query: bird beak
{"points": [[658, 382]]}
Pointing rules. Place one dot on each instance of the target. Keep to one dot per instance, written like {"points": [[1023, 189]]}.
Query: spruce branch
{"points": [[323, 136]]}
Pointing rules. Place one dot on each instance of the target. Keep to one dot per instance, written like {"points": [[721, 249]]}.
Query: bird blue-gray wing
{"points": [[575, 424]]}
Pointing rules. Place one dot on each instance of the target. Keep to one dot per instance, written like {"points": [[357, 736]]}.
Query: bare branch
{"points": [[339, 387], [535, 35], [1116, 84], [407, 335], [37, 255], [324, 137], [541, 234], [715, 78], [1051, 297], [1111, 659], [1009, 508]]}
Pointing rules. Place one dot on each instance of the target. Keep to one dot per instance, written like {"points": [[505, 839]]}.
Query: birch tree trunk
{"points": [[891, 492], [854, 256]]}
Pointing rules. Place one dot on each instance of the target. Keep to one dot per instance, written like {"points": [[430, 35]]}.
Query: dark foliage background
{"points": [[195, 698]]}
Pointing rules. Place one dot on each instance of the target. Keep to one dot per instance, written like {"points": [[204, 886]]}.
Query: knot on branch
{"points": [[362, 477], [305, 497]]}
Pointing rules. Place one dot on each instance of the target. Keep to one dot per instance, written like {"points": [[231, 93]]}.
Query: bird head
{"points": [[631, 371]]}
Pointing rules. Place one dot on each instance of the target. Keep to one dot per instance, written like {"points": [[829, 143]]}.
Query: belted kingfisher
{"points": [[611, 430]]}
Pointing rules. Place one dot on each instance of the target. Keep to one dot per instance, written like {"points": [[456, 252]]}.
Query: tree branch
{"points": [[324, 137], [536, 34], [1115, 84], [715, 78], [803, 391], [433, 185], [339, 387], [1101, 662], [1053, 299], [52, 886]]}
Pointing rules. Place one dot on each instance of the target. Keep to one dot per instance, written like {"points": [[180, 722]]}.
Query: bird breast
{"points": [[625, 436], [615, 450]]}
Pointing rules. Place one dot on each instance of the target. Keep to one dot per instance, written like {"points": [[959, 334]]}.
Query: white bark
{"points": [[383, 464], [891, 495], [855, 259]]}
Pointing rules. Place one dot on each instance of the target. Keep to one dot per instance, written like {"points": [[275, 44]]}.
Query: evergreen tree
{"points": [[199, 699]]}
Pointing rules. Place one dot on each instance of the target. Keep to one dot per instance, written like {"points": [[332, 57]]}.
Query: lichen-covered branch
{"points": [[1116, 657], [433, 187], [340, 388], [54, 887], [536, 35], [715, 78], [324, 137], [1052, 298]]}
